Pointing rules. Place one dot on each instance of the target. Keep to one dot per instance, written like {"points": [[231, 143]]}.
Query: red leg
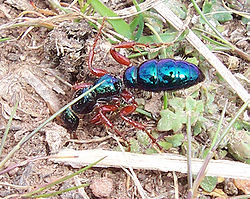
{"points": [[120, 58], [127, 111], [95, 71], [124, 60], [101, 118], [104, 109], [81, 85], [128, 97]]}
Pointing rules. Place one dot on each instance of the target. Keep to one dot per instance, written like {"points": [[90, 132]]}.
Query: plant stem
{"points": [[189, 151], [165, 100], [202, 171], [219, 126], [60, 180], [164, 54], [8, 127], [234, 48]]}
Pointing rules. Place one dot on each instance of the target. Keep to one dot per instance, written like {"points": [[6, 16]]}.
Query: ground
{"points": [[29, 66]]}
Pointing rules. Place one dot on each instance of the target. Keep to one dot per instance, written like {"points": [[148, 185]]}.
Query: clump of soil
{"points": [[66, 49]]}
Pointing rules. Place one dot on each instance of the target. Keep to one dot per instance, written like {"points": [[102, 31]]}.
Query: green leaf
{"points": [[133, 25], [175, 140], [134, 146], [188, 50], [197, 128], [245, 20], [221, 154], [215, 6], [143, 138], [140, 28], [166, 37], [154, 21], [190, 103], [199, 106], [239, 146], [181, 116], [210, 98], [193, 60], [171, 121], [153, 55], [177, 8], [183, 35], [221, 17], [165, 145], [150, 151], [209, 183], [177, 103], [195, 94], [165, 123], [140, 22], [241, 124], [119, 25], [207, 7], [194, 117]]}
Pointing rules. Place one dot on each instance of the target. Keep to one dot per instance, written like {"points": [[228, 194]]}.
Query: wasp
{"points": [[152, 75]]}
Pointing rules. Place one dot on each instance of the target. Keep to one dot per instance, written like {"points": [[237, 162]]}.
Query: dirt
{"points": [[28, 69]]}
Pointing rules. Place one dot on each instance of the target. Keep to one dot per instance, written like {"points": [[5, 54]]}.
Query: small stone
{"points": [[14, 171], [12, 57], [102, 187], [230, 188]]}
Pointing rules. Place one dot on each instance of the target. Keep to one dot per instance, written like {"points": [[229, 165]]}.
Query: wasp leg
{"points": [[129, 110], [120, 58], [95, 71], [104, 109], [128, 97], [81, 85], [101, 118]]}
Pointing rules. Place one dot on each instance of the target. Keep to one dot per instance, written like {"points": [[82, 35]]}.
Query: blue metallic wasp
{"points": [[153, 75]]}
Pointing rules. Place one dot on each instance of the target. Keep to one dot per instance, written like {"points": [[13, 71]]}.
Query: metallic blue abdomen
{"points": [[163, 75]]}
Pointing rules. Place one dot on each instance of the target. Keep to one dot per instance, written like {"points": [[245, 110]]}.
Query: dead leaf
{"points": [[54, 136], [218, 193], [41, 89], [243, 185]]}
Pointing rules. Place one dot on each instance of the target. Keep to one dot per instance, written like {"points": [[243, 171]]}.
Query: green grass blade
{"points": [[62, 179], [8, 127], [201, 173], [166, 37], [140, 22], [83, 6], [219, 126], [159, 39], [209, 24], [119, 25], [189, 151], [146, 113], [27, 137], [47, 195], [165, 100], [4, 39]]}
